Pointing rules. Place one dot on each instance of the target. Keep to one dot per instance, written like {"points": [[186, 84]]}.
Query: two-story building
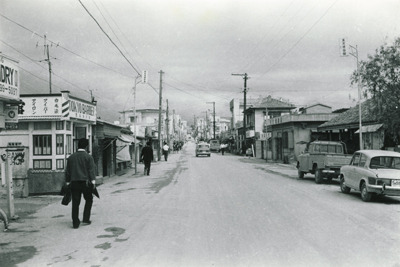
{"points": [[257, 135]]}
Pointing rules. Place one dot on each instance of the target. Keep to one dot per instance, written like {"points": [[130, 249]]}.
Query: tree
{"points": [[380, 80]]}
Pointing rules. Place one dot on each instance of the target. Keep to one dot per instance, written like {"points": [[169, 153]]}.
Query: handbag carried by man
{"points": [[66, 192]]}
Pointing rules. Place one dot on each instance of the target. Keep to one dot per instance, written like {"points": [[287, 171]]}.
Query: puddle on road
{"points": [[122, 190], [104, 246], [12, 258], [116, 231]]}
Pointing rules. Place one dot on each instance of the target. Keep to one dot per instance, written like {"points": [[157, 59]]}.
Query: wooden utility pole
{"points": [[167, 122], [245, 78], [159, 117]]}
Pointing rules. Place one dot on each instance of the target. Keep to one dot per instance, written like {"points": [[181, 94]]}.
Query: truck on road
{"points": [[323, 159], [215, 145]]}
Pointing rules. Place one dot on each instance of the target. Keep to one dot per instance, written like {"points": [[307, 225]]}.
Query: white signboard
{"points": [[11, 114], [9, 79], [82, 110], [249, 133], [42, 106]]}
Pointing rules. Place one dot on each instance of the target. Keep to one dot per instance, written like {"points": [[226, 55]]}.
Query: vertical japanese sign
{"points": [[42, 106]]}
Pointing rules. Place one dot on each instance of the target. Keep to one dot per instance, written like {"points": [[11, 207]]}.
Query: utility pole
{"points": [[47, 53], [245, 78], [167, 122], [135, 125], [159, 118], [354, 53], [213, 116]]}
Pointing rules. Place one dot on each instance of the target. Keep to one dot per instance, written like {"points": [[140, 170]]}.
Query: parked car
{"points": [[372, 172], [215, 145], [323, 159], [203, 149]]}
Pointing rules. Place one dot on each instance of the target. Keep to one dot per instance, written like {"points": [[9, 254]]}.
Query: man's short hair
{"points": [[83, 143]]}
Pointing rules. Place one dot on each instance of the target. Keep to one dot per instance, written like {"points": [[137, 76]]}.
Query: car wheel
{"points": [[318, 176], [300, 174], [343, 187], [365, 195]]}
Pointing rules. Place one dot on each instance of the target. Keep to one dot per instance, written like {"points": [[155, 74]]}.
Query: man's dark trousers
{"points": [[78, 188], [147, 165]]}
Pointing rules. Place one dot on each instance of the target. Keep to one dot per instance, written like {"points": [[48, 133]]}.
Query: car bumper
{"points": [[384, 190], [203, 153]]}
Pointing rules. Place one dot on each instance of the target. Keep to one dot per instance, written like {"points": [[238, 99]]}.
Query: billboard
{"points": [[9, 79]]}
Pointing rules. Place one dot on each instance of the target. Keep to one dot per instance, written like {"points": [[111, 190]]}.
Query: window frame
{"points": [[41, 148]]}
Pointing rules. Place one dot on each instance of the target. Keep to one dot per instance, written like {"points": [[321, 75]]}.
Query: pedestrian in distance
{"points": [[80, 176], [147, 157], [222, 147], [165, 149]]}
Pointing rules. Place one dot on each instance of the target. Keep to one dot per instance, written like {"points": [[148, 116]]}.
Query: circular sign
{"points": [[11, 114]]}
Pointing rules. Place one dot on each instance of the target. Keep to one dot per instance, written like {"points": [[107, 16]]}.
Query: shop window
{"points": [[42, 125], [69, 144], [60, 144], [42, 164], [42, 145], [59, 125], [68, 125], [60, 164], [80, 132]]}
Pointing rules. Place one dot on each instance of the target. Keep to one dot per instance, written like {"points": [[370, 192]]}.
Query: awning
{"points": [[126, 138], [369, 128]]}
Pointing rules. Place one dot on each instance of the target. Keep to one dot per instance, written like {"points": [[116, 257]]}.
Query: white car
{"points": [[372, 172]]}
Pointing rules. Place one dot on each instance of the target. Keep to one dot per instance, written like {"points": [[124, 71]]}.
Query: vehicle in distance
{"points": [[203, 149], [323, 159], [215, 145], [372, 172]]}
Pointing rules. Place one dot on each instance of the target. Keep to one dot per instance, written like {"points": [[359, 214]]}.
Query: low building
{"points": [[48, 131], [345, 127], [290, 133]]}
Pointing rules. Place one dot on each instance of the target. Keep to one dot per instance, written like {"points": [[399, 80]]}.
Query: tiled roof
{"points": [[351, 116]]}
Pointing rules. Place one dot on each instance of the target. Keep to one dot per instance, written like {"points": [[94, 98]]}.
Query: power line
{"points": [[109, 38], [300, 39], [66, 49]]}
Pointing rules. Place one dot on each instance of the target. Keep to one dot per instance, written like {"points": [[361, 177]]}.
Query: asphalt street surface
{"points": [[211, 211]]}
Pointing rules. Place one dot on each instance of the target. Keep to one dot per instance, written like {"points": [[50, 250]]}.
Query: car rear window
{"points": [[385, 163], [203, 146]]}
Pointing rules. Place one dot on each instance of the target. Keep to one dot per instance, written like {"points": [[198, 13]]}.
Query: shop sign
{"points": [[11, 114], [250, 133], [9, 79], [42, 106], [81, 110]]}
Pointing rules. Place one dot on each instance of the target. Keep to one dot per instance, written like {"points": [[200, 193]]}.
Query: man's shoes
{"points": [[76, 226], [86, 222]]}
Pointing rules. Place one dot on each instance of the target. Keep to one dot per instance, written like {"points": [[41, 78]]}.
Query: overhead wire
{"points": [[300, 39], [109, 38], [62, 47]]}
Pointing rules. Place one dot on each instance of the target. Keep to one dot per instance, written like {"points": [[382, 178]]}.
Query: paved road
{"points": [[217, 211]]}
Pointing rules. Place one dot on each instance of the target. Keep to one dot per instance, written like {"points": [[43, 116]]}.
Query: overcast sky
{"points": [[289, 49]]}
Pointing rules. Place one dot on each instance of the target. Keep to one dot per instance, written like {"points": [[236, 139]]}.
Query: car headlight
{"points": [[383, 181], [371, 180]]}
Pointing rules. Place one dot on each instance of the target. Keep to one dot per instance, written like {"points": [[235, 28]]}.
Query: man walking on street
{"points": [[165, 149], [147, 157], [80, 175]]}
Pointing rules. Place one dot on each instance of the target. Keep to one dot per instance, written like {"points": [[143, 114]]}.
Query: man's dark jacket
{"points": [[147, 154], [80, 167]]}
